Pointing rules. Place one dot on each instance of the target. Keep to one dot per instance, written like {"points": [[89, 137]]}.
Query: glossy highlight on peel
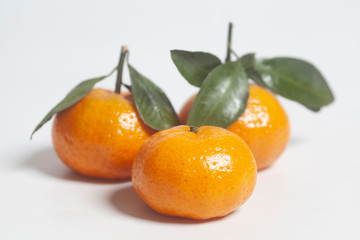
{"points": [[199, 175], [100, 135], [264, 125]]}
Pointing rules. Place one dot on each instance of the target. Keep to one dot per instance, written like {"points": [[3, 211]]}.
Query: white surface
{"points": [[46, 47]]}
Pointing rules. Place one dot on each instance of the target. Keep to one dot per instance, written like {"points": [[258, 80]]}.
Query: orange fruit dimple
{"points": [[264, 125], [100, 135], [196, 175]]}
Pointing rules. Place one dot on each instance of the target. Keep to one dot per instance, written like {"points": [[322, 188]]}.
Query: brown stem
{"points": [[124, 52], [228, 52], [194, 129]]}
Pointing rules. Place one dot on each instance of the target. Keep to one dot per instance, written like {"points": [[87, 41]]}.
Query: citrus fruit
{"points": [[197, 173], [264, 125], [100, 135]]}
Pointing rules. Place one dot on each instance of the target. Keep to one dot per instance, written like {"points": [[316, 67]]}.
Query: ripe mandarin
{"points": [[200, 174], [100, 135], [264, 125]]}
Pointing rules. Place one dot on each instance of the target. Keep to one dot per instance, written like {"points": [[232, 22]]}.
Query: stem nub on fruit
{"points": [[194, 129], [124, 52]]}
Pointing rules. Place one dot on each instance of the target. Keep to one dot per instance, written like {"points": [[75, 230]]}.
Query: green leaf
{"points": [[75, 95], [194, 66], [152, 104], [222, 97], [295, 79], [248, 62], [314, 109]]}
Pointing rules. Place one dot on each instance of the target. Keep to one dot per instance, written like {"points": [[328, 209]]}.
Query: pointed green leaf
{"points": [[152, 104], [75, 95], [297, 80], [248, 62], [314, 109], [194, 66], [222, 97]]}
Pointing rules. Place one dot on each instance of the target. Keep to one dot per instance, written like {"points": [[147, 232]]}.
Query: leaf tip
{"points": [[34, 131]]}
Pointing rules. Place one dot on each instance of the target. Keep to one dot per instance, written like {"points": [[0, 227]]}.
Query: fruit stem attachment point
{"points": [[194, 129], [228, 52], [124, 52]]}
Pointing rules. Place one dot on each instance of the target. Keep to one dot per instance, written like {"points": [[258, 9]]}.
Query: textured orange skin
{"points": [[100, 135], [199, 175], [264, 125]]}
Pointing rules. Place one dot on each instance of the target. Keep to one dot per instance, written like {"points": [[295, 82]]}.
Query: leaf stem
{"points": [[124, 52], [127, 86], [228, 52], [234, 53]]}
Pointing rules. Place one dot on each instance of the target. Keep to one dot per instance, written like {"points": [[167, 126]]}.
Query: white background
{"points": [[47, 47]]}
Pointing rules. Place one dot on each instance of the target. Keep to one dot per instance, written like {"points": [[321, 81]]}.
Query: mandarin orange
{"points": [[100, 135], [264, 125], [197, 173]]}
